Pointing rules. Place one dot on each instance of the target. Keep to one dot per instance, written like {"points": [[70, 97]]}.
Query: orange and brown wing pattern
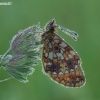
{"points": [[62, 63]]}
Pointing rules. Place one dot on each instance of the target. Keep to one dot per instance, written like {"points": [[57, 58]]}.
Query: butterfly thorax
{"points": [[47, 37]]}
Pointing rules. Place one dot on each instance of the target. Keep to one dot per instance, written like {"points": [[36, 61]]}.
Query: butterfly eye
{"points": [[50, 28]]}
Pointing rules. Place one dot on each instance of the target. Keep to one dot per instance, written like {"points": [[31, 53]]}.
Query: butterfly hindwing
{"points": [[62, 63]]}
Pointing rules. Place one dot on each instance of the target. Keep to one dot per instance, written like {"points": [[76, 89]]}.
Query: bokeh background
{"points": [[82, 16]]}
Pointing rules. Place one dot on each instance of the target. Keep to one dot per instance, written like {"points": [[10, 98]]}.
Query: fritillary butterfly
{"points": [[60, 61]]}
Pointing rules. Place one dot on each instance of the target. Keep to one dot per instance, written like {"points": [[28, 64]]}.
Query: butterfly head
{"points": [[50, 28]]}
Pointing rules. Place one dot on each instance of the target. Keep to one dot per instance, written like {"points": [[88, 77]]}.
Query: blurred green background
{"points": [[82, 16]]}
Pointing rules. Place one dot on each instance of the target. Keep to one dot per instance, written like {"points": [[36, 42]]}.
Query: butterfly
{"points": [[60, 61]]}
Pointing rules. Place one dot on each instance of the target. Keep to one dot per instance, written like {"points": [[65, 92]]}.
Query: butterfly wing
{"points": [[62, 63]]}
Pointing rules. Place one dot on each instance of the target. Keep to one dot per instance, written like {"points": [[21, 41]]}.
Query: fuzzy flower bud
{"points": [[23, 53]]}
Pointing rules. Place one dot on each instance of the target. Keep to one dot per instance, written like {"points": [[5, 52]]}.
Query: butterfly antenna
{"points": [[69, 32]]}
